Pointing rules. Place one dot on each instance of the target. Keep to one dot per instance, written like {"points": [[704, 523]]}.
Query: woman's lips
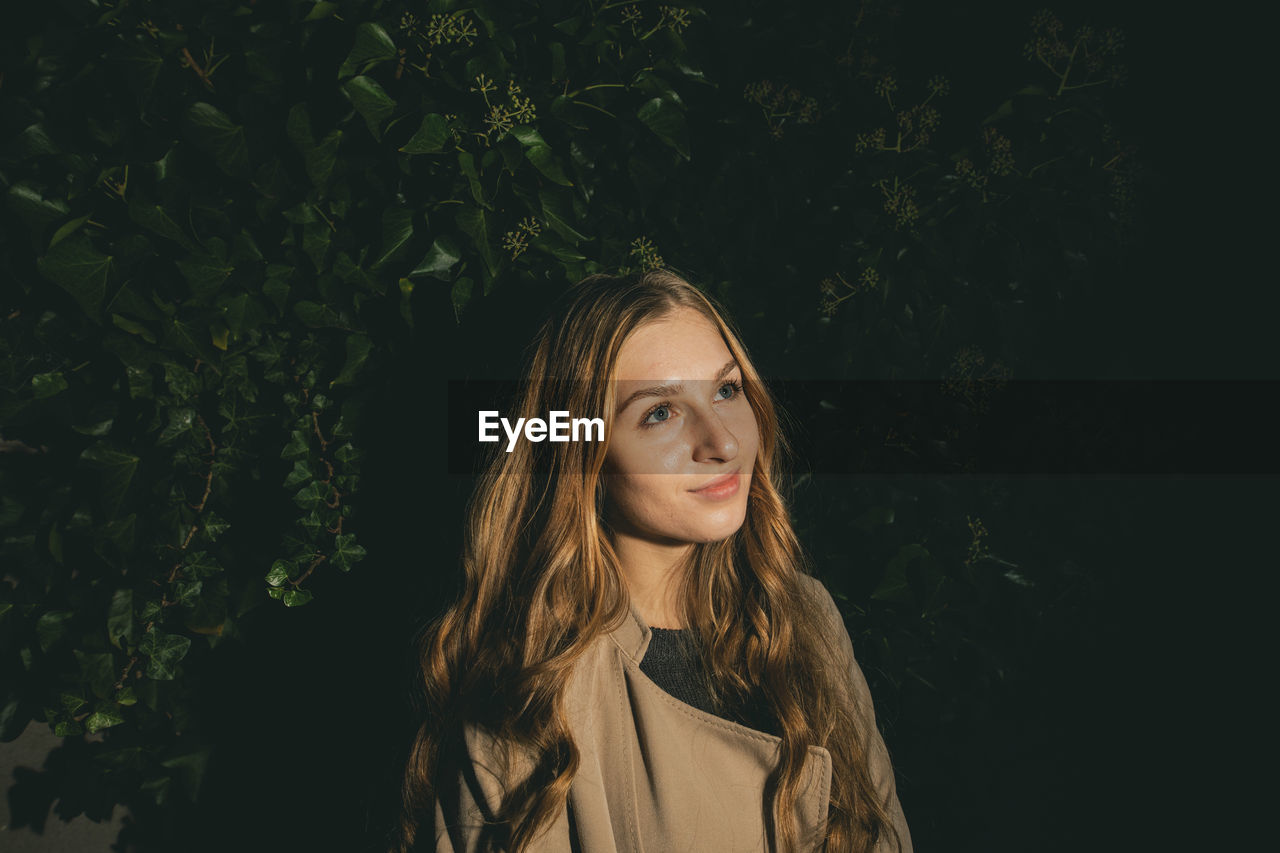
{"points": [[720, 488]]}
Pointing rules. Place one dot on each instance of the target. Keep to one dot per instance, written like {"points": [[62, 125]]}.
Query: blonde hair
{"points": [[542, 582]]}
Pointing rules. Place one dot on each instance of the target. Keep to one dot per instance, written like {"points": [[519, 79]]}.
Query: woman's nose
{"points": [[714, 439]]}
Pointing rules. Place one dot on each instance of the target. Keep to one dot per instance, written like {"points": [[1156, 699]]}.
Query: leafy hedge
{"points": [[223, 221]]}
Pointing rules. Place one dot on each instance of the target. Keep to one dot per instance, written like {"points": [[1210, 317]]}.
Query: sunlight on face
{"points": [[679, 463]]}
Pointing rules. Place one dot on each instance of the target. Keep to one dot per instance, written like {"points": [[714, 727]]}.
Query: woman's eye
{"points": [[664, 410], [732, 387]]}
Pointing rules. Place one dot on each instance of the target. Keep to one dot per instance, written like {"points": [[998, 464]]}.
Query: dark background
{"points": [[1129, 718]]}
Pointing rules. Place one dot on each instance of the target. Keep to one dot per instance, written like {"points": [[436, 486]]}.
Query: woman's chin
{"points": [[719, 529]]}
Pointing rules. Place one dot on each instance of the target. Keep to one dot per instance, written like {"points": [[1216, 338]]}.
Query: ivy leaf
{"points": [[141, 66], [47, 384], [181, 422], [214, 133], [14, 716], [71, 702], [346, 552], [316, 315], [666, 120], [322, 9], [397, 231], [156, 219], [546, 163], [459, 296], [187, 593], [296, 597], [557, 211], [67, 230], [81, 270], [242, 313], [208, 615], [118, 468], [430, 136], [348, 454], [298, 446], [316, 237], [318, 158], [98, 670], [98, 420], [313, 495], [215, 525], [311, 523], [205, 274], [372, 46], [439, 260], [189, 339], [538, 152], [104, 716], [474, 223], [120, 617], [165, 651], [51, 626], [301, 473], [190, 770], [358, 348], [279, 574], [371, 101], [467, 163], [29, 205], [201, 564]]}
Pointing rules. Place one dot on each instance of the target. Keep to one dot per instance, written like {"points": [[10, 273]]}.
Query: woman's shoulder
{"points": [[821, 598]]}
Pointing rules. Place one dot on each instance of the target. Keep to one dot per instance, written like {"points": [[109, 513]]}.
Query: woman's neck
{"points": [[652, 574]]}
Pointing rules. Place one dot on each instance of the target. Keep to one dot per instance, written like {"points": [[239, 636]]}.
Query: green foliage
{"points": [[222, 221]]}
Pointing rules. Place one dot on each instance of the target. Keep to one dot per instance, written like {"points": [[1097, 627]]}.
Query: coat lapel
{"points": [[657, 774]]}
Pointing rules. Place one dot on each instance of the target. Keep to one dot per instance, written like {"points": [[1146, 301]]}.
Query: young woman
{"points": [[639, 659]]}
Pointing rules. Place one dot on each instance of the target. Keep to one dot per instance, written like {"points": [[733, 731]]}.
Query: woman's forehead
{"points": [[684, 345]]}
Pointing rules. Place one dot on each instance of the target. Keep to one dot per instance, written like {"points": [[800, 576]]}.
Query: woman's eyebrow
{"points": [[673, 390]]}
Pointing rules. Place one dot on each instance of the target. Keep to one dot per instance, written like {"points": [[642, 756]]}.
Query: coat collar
{"points": [[632, 635]]}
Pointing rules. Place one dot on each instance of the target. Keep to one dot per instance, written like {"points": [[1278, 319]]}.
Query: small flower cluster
{"points": [[969, 173], [885, 86], [900, 203], [873, 140], [452, 118], [977, 550], [673, 18], [516, 241], [999, 151], [780, 102], [669, 18], [1086, 51], [921, 120], [503, 117], [970, 379], [453, 28], [915, 124], [830, 289], [643, 249]]}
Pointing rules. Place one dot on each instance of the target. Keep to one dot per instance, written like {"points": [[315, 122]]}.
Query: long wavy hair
{"points": [[542, 582]]}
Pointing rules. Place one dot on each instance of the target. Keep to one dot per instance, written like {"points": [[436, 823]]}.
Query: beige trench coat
{"points": [[658, 775]]}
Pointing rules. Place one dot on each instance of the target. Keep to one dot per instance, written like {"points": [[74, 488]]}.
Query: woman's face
{"points": [[679, 462]]}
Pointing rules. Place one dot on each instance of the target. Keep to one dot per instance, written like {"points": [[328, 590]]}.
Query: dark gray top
{"points": [[672, 662]]}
